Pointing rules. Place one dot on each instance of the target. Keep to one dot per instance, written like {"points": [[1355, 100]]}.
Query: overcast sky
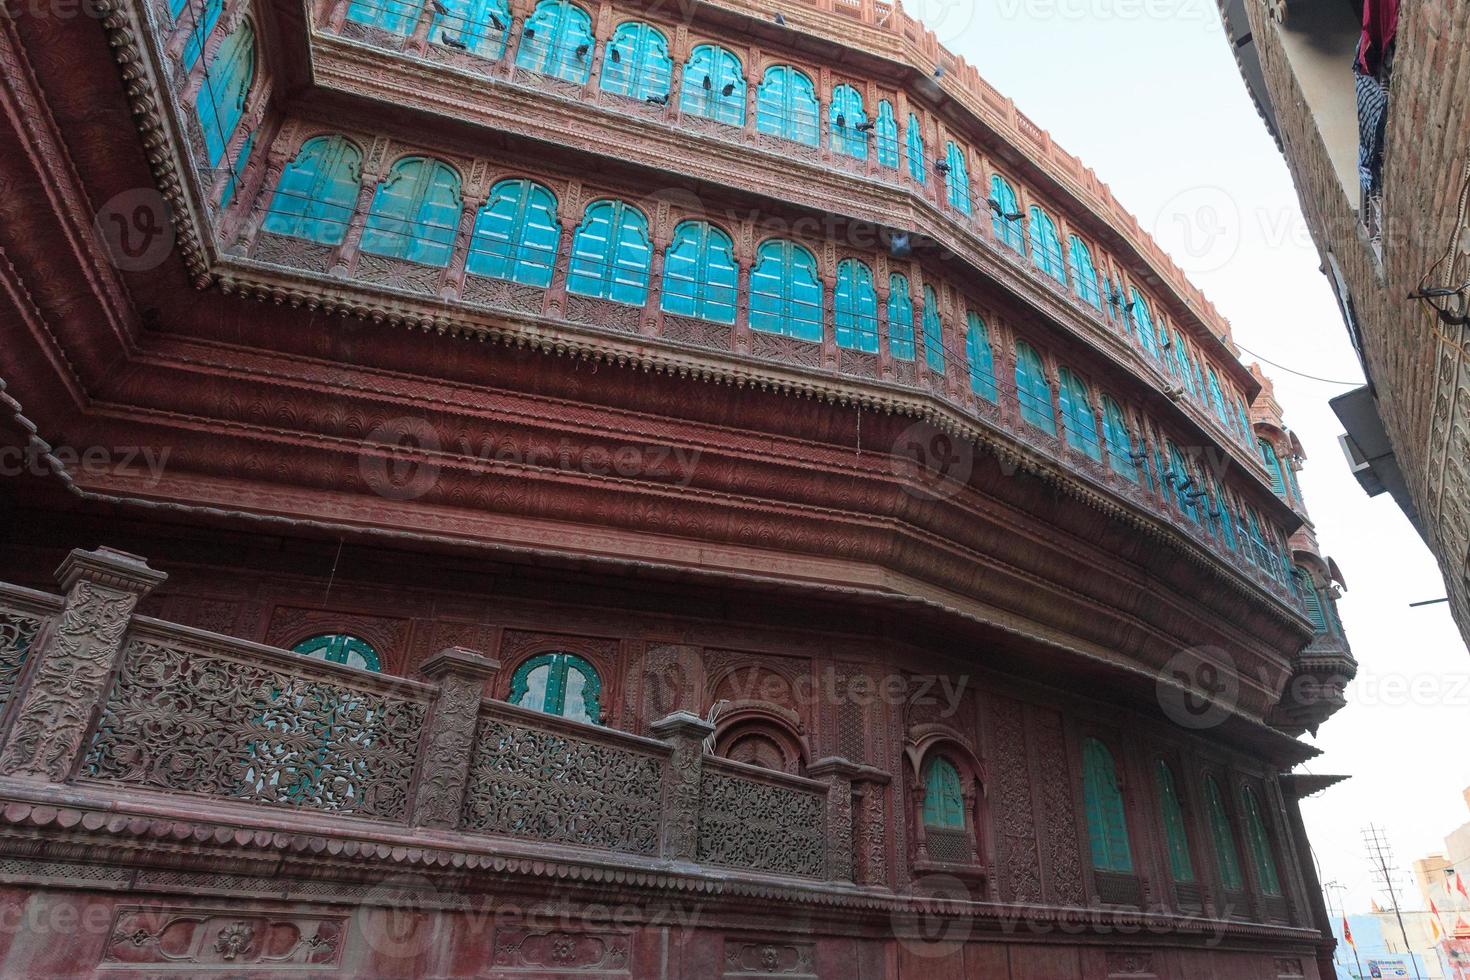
{"points": [[1146, 92]]}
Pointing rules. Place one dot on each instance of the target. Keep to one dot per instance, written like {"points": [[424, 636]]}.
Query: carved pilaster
{"points": [[69, 675], [838, 774], [686, 733], [444, 759]]}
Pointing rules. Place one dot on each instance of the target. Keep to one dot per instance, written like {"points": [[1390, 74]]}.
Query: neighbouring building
{"points": [[610, 489], [1390, 214], [1444, 890]]}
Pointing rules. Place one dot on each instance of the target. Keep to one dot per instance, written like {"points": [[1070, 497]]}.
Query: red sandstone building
{"points": [[624, 491]]}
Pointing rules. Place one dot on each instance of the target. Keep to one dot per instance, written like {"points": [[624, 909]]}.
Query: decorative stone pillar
{"points": [[346, 263], [68, 676], [449, 742], [686, 732], [459, 252], [838, 774]]}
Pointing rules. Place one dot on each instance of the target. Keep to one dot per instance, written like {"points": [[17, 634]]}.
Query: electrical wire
{"points": [[1303, 374]]}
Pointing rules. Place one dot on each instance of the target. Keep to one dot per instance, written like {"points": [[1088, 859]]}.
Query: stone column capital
{"points": [[460, 661], [110, 569], [682, 725]]}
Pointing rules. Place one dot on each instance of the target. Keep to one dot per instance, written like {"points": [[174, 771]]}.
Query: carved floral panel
{"points": [[17, 633], [758, 826], [190, 940]]}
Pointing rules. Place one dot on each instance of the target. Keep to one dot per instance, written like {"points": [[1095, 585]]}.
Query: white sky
{"points": [[1147, 93]]}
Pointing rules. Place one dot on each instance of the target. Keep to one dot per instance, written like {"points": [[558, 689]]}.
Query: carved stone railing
{"points": [[104, 699]]}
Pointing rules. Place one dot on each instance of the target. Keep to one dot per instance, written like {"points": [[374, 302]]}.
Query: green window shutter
{"points": [[611, 253], [933, 331], [856, 307], [700, 274], [415, 213], [1107, 824], [1171, 815], [957, 181], [981, 357], [516, 234], [1032, 390], [944, 796], [786, 105], [914, 136], [1224, 840], [845, 113], [557, 40], [1260, 845], [785, 293], [885, 135], [1084, 272], [560, 684], [636, 63], [1006, 218], [714, 86], [1120, 443], [341, 648]]}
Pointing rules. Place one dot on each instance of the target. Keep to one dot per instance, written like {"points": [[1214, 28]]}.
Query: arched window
{"points": [[714, 86], [886, 135], [1181, 364], [1224, 523], [557, 40], [785, 293], [561, 684], [1143, 324], [1120, 441], [317, 191], [957, 178], [944, 795], [477, 27], [900, 318], [205, 15], [786, 105], [220, 102], [700, 275], [1006, 214], [933, 331], [1311, 599], [914, 137], [1273, 467], [980, 355], [845, 119], [341, 648], [610, 253], [415, 212], [1171, 815], [1080, 423], [1226, 858], [1181, 478], [1084, 273], [1032, 391], [856, 307], [1107, 827], [516, 234], [636, 62], [1046, 245], [1260, 845], [1217, 399]]}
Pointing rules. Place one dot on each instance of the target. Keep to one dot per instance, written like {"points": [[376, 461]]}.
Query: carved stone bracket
{"points": [[449, 742], [68, 676], [686, 733], [838, 774]]}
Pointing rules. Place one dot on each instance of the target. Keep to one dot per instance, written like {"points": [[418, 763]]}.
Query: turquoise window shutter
{"points": [[1224, 521], [394, 16], [220, 102], [785, 292], [1032, 391], [1171, 815], [341, 648], [1046, 245], [479, 27], [1006, 214], [205, 15], [1226, 858], [856, 307], [1120, 442], [611, 253], [1084, 272], [415, 212], [786, 105], [557, 40], [1260, 845], [700, 274], [957, 181], [1273, 467], [918, 168], [885, 135], [1143, 324], [981, 357], [1184, 484], [1077, 410], [933, 331], [714, 85], [516, 234], [900, 318], [561, 684], [844, 117], [944, 796], [1107, 825], [317, 191], [636, 62]]}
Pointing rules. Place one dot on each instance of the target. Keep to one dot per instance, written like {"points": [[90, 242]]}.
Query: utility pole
{"points": [[1337, 888], [1380, 855]]}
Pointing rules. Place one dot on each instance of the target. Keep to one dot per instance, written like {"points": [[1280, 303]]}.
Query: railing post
{"points": [[686, 732], [67, 677], [448, 744], [838, 774]]}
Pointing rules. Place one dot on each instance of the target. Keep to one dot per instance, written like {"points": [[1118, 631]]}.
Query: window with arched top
{"points": [[900, 318], [786, 105], [1006, 215], [557, 40], [1102, 796], [317, 191], [1079, 423], [1033, 393], [611, 253], [1260, 845], [933, 331], [205, 15], [956, 178], [847, 121], [1120, 440], [516, 234], [980, 356], [393, 16], [1171, 817], [1273, 467], [1220, 514], [714, 85], [1306, 587], [785, 291], [944, 795], [219, 105], [340, 648], [855, 307], [1181, 365], [700, 274], [1143, 323], [1046, 245], [1227, 860], [636, 62], [1181, 479], [1217, 398], [561, 684], [1084, 272], [477, 27], [415, 212], [885, 135], [914, 138]]}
